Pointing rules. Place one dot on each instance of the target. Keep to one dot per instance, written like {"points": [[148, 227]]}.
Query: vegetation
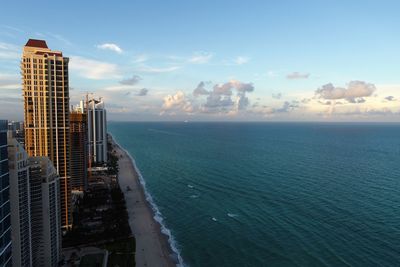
{"points": [[121, 252], [92, 260], [101, 220], [112, 160], [100, 215]]}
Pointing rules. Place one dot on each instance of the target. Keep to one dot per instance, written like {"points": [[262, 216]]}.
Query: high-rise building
{"points": [[45, 212], [20, 204], [97, 130], [5, 216], [46, 112], [79, 149]]}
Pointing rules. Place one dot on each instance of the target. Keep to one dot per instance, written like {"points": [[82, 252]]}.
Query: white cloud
{"points": [[176, 103], [110, 46], [240, 60], [354, 92], [93, 69], [140, 58], [220, 99], [9, 51], [8, 81], [148, 69], [201, 58], [297, 75]]}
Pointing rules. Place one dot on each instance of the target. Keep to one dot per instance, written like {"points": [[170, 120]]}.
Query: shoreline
{"points": [[153, 247]]}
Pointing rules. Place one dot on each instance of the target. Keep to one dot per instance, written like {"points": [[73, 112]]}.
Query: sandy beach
{"points": [[152, 247]]}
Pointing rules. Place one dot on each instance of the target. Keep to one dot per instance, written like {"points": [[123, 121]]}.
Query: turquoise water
{"points": [[273, 194]]}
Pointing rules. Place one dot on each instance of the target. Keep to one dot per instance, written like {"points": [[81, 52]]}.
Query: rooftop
{"points": [[36, 43]]}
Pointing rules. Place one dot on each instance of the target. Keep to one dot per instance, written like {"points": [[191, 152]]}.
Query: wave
{"points": [[232, 215], [157, 214], [190, 186], [194, 196], [214, 219]]}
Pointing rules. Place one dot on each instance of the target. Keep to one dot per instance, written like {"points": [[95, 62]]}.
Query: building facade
{"points": [[45, 212], [79, 149], [46, 113], [5, 215], [20, 204], [97, 131]]}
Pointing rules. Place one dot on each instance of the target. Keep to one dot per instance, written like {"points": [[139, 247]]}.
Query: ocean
{"points": [[273, 194]]}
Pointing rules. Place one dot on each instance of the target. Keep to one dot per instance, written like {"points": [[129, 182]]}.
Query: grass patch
{"points": [[121, 252], [92, 260]]}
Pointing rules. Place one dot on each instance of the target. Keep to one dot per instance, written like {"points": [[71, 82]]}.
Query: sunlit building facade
{"points": [[46, 113], [79, 149]]}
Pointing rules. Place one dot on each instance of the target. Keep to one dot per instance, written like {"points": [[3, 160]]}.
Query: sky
{"points": [[215, 60]]}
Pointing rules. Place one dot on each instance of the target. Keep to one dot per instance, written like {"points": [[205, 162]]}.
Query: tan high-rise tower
{"points": [[46, 108]]}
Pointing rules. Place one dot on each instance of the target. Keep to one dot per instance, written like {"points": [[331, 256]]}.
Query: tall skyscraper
{"points": [[5, 216], [20, 204], [79, 148], [45, 212], [46, 110], [97, 130]]}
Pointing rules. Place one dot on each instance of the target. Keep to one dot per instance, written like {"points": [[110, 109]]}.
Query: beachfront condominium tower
{"points": [[46, 112], [97, 130], [45, 212], [20, 204], [5, 216], [79, 148]]}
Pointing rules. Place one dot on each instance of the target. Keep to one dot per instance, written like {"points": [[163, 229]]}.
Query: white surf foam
{"points": [[194, 196], [214, 219], [190, 186], [157, 214], [232, 215]]}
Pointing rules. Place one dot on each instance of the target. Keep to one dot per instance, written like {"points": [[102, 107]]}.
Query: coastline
{"points": [[154, 243]]}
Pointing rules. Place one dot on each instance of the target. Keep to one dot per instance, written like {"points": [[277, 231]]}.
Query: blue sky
{"points": [[250, 60]]}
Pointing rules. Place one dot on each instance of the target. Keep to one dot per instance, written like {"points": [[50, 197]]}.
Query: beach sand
{"points": [[152, 247]]}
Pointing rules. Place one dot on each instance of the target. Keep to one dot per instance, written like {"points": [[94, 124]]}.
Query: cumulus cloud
{"points": [[354, 93], [218, 101], [221, 99], [143, 92], [390, 98], [93, 69], [297, 75], [131, 81], [200, 90], [287, 107], [176, 103], [111, 47]]}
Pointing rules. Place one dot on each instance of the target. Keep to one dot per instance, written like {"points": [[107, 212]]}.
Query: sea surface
{"points": [[273, 194]]}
